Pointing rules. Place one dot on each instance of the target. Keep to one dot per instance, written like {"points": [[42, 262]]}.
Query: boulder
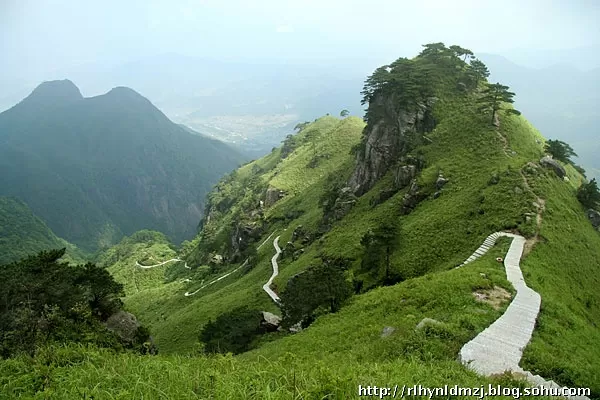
{"points": [[270, 321], [124, 324], [428, 322], [387, 331], [272, 195], [549, 162], [440, 182], [217, 259], [344, 203], [594, 217]]}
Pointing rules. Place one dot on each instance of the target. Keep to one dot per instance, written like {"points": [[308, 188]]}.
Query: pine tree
{"points": [[494, 95], [560, 150]]}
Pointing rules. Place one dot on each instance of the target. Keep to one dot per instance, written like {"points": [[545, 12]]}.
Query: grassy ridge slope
{"points": [[22, 233]]}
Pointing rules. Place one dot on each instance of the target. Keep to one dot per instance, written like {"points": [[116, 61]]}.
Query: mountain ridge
{"points": [[125, 164]]}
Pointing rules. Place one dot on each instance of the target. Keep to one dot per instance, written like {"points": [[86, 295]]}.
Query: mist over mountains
{"points": [[95, 169]]}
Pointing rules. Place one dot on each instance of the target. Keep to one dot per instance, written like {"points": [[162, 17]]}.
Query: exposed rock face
{"points": [[344, 203], [549, 162], [404, 174], [594, 217], [411, 198], [270, 322], [243, 233], [389, 138], [272, 195], [124, 324]]}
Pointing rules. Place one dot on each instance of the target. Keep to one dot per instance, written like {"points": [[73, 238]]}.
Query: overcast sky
{"points": [[44, 35]]}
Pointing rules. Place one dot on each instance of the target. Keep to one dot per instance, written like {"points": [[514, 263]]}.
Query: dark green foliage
{"points": [[492, 98], [289, 144], [379, 244], [589, 195], [233, 332], [99, 168], [479, 70], [23, 233], [43, 300], [560, 150], [461, 52], [344, 113], [321, 288]]}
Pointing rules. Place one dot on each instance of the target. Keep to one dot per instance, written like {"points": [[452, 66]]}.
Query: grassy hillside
{"points": [[22, 233], [494, 183]]}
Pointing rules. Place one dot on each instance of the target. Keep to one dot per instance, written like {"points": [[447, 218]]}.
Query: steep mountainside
{"points": [[98, 168], [23, 234], [373, 218]]}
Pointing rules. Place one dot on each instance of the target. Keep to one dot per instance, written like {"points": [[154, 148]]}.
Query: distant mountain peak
{"points": [[58, 90]]}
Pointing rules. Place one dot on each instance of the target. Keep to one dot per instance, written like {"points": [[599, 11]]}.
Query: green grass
{"points": [[77, 372], [563, 268], [438, 235], [341, 350]]}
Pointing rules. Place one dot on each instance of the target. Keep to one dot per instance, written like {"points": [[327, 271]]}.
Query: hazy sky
{"points": [[44, 35]]}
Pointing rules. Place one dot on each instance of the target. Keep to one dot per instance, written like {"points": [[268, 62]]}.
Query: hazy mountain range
{"points": [[97, 168]]}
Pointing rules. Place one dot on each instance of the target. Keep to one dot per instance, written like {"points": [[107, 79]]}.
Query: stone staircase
{"points": [[500, 346]]}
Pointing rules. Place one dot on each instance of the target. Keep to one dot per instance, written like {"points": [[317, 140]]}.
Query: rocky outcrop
{"points": [[270, 322], [272, 195], [243, 234], [403, 175], [344, 203], [125, 325], [594, 217], [549, 162], [411, 198], [392, 133]]}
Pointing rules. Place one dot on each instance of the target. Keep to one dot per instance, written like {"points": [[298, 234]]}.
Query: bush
{"points": [[319, 287], [588, 194], [233, 332]]}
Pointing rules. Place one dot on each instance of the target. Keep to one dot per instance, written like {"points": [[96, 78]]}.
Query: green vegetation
{"points": [[22, 234], [493, 97], [233, 332], [588, 194], [560, 150], [99, 168], [399, 260], [145, 248], [46, 301], [320, 286]]}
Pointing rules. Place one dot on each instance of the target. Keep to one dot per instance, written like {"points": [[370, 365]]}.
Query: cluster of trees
{"points": [[410, 82], [44, 300], [319, 289]]}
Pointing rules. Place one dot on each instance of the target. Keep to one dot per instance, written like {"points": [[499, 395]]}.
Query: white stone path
{"points": [[159, 264], [267, 286], [500, 346]]}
